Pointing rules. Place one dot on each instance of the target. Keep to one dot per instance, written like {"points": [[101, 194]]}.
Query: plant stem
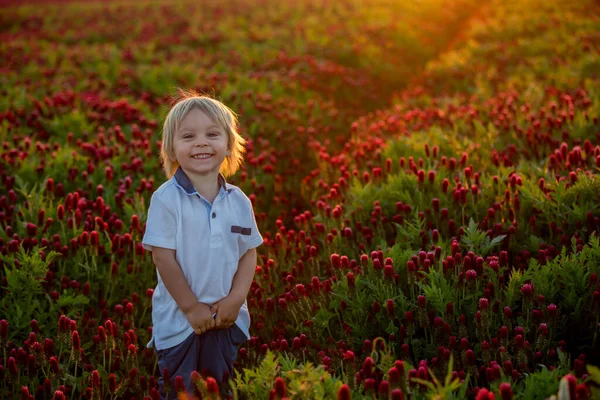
{"points": [[74, 383], [110, 360], [74, 222], [60, 352], [143, 315], [86, 263]]}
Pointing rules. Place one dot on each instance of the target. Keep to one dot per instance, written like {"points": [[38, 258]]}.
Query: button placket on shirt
{"points": [[213, 213], [215, 234]]}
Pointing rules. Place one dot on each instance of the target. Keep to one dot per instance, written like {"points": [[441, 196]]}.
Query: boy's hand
{"points": [[227, 310], [200, 318]]}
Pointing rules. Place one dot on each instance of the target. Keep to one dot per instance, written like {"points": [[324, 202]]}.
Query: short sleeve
{"points": [[255, 237], [161, 225]]}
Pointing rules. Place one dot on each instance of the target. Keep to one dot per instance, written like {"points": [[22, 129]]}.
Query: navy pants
{"points": [[211, 354]]}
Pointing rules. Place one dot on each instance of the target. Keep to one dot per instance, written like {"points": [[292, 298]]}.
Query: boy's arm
{"points": [[242, 280], [173, 278], [229, 307]]}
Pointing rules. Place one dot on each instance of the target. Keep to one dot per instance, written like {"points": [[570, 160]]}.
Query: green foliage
{"points": [[23, 296], [512, 292], [66, 301], [409, 233], [257, 382], [569, 202], [541, 384], [477, 241], [302, 381], [438, 289], [594, 376], [448, 388]]}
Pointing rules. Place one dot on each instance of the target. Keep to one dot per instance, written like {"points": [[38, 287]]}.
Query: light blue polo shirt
{"points": [[208, 239]]}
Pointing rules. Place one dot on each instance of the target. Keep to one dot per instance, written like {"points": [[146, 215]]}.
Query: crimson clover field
{"points": [[425, 176]]}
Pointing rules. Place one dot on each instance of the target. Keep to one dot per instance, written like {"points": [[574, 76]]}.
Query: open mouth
{"points": [[203, 156]]}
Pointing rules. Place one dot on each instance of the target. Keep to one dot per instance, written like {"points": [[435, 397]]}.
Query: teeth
{"points": [[201, 156]]}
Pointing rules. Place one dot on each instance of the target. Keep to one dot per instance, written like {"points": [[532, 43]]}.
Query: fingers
{"points": [[225, 323], [207, 326]]}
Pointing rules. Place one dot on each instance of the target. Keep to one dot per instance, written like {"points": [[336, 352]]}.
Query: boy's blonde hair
{"points": [[219, 113]]}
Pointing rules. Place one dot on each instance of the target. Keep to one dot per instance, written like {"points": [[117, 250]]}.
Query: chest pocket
{"points": [[235, 228], [240, 234]]}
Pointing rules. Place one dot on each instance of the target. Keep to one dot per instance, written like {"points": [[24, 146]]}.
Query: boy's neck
{"points": [[207, 186]]}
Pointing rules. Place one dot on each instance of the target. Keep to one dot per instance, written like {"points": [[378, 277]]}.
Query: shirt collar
{"points": [[184, 182]]}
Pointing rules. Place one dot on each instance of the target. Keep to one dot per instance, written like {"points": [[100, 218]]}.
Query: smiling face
{"points": [[200, 145]]}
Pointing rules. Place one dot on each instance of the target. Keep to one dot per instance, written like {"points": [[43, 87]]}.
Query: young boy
{"points": [[203, 237]]}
